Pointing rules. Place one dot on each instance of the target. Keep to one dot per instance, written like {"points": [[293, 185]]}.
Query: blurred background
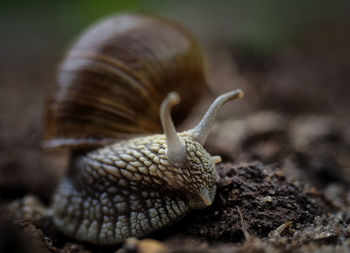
{"points": [[290, 57]]}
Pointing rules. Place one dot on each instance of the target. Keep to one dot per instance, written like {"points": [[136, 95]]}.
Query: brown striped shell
{"points": [[114, 78]]}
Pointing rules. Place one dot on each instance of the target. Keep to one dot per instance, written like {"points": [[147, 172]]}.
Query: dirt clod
{"points": [[266, 199]]}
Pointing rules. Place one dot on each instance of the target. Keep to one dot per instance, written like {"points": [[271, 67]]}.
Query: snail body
{"points": [[130, 196], [135, 186]]}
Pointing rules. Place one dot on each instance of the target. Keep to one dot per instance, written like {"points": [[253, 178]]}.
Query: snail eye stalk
{"points": [[201, 131], [176, 148]]}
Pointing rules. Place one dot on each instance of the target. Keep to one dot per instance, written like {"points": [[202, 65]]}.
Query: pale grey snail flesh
{"points": [[135, 187]]}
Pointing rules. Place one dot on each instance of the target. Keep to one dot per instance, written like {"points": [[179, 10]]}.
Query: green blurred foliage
{"points": [[257, 24]]}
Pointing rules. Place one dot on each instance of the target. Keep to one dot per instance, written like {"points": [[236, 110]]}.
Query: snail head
{"points": [[185, 150]]}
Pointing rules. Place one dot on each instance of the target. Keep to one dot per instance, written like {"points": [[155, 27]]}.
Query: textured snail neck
{"points": [[176, 148], [201, 131]]}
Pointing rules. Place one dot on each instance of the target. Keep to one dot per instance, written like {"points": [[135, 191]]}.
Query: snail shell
{"points": [[116, 82], [116, 75]]}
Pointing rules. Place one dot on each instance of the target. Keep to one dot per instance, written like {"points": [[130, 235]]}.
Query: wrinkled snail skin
{"points": [[130, 189], [135, 187]]}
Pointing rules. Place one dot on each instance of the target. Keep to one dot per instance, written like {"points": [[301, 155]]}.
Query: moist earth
{"points": [[284, 181]]}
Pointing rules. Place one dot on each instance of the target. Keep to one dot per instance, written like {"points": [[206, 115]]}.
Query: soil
{"points": [[285, 177]]}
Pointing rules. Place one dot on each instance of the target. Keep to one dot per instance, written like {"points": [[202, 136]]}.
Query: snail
{"points": [[130, 172]]}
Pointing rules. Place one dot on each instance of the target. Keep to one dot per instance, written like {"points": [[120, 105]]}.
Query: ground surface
{"points": [[285, 179]]}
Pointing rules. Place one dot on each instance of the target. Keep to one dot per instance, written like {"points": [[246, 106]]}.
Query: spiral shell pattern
{"points": [[114, 78]]}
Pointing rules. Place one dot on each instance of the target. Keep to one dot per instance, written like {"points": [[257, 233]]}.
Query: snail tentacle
{"points": [[217, 159], [204, 194], [176, 148], [201, 131]]}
